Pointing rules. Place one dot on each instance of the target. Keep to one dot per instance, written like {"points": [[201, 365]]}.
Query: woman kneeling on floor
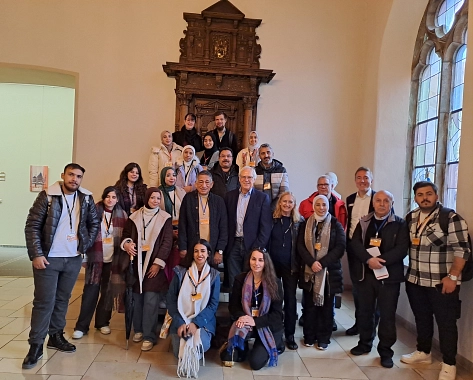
{"points": [[256, 307], [192, 303]]}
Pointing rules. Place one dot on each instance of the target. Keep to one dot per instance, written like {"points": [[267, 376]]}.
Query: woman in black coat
{"points": [[321, 244]]}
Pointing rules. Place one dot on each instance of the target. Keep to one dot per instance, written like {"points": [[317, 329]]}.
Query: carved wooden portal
{"points": [[218, 69]]}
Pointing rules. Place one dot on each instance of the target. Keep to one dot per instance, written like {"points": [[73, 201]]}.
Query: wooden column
{"points": [[249, 103]]}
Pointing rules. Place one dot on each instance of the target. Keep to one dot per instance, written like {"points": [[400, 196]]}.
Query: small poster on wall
{"points": [[38, 178]]}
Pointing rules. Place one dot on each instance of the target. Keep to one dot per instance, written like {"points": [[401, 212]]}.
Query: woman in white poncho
{"points": [[192, 303]]}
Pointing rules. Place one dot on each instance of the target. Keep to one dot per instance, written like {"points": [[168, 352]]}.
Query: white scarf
{"points": [[190, 350]]}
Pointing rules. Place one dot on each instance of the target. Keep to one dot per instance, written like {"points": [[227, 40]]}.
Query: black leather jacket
{"points": [[43, 219]]}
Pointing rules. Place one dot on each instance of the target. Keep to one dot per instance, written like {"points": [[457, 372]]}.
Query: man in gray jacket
{"points": [[61, 225]]}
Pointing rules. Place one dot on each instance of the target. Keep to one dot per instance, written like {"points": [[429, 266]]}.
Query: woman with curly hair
{"points": [[131, 188]]}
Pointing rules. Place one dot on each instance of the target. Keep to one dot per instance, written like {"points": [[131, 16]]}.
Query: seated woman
{"points": [[192, 303], [209, 156], [131, 188], [171, 202], [99, 265], [147, 238], [320, 245], [187, 167], [256, 307]]}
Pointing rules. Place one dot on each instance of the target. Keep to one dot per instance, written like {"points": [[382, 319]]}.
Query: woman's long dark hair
{"points": [[122, 183], [268, 277], [189, 258]]}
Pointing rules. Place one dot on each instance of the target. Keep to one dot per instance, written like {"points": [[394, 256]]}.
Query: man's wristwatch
{"points": [[452, 277], [220, 252]]}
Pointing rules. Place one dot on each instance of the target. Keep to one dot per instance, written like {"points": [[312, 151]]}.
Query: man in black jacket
{"points": [[380, 243], [224, 137], [61, 226], [203, 216], [225, 174]]}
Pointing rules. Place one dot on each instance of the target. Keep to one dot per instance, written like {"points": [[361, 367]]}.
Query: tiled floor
{"points": [[103, 357]]}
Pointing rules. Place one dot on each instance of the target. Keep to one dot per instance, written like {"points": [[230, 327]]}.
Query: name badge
{"points": [[169, 163], [254, 312], [196, 297], [267, 186], [251, 164], [71, 237], [375, 242], [175, 222], [145, 247], [205, 221], [317, 246], [415, 241], [107, 240]]}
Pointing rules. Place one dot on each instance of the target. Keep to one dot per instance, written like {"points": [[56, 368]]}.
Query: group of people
{"points": [[204, 210]]}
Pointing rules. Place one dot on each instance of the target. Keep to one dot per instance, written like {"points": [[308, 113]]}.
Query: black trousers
{"points": [[427, 302], [289, 284], [375, 294], [89, 304], [318, 320], [258, 356]]}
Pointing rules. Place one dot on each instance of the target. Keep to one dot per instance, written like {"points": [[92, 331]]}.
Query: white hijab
{"points": [[316, 216]]}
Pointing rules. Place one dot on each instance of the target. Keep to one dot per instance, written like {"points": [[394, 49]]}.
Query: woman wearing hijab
{"points": [[131, 188], [209, 156], [283, 252], [256, 307], [187, 167], [192, 303], [188, 134], [147, 239], [249, 156], [320, 245], [105, 249], [164, 155], [171, 202]]}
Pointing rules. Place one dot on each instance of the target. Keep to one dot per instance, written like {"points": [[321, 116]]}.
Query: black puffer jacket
{"points": [[42, 221], [331, 260]]}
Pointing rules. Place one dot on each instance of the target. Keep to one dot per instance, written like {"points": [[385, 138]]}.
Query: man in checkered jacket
{"points": [[436, 260]]}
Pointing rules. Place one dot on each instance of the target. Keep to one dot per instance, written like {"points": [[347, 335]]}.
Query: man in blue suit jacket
{"points": [[249, 222]]}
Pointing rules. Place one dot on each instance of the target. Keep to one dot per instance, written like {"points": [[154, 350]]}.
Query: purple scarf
{"points": [[236, 336]]}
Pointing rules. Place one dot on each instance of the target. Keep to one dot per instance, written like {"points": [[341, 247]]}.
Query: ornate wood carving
{"points": [[219, 69]]}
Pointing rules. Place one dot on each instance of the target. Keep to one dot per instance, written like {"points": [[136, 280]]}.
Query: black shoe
{"points": [[34, 354], [387, 362], [334, 326], [291, 343], [301, 320], [352, 330], [58, 342], [359, 350], [281, 350]]}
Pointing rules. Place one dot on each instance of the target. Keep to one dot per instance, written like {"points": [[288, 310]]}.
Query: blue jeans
{"points": [[52, 291], [237, 260], [145, 315]]}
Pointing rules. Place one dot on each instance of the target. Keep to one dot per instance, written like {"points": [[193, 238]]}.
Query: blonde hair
{"points": [[296, 217]]}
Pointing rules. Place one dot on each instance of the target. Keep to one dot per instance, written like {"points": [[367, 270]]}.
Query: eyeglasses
{"points": [[323, 185], [259, 249], [246, 178]]}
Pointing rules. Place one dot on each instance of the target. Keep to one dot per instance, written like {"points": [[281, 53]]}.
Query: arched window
{"points": [[437, 98]]}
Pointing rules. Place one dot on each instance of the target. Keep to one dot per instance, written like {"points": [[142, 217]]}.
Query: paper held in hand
{"points": [[382, 273]]}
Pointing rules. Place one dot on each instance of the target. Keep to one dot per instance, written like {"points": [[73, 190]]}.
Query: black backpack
{"points": [[444, 217]]}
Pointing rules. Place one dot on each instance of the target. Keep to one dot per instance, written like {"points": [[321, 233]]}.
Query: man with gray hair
{"points": [[271, 175], [249, 222], [379, 244]]}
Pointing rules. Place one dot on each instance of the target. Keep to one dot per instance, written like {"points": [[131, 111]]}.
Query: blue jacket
{"points": [[206, 318], [258, 220]]}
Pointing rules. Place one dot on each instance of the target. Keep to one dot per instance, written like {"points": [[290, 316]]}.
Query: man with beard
{"points": [[225, 174], [223, 136], [272, 177], [61, 225], [438, 252]]}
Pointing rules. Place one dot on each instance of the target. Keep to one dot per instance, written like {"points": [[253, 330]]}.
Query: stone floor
{"points": [[103, 357]]}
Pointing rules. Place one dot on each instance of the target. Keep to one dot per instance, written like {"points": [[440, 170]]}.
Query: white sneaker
{"points": [[147, 345], [105, 330], [77, 334], [138, 337], [417, 357], [448, 372]]}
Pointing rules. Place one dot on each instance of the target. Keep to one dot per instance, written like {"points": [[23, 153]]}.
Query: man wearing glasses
{"points": [[249, 222]]}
